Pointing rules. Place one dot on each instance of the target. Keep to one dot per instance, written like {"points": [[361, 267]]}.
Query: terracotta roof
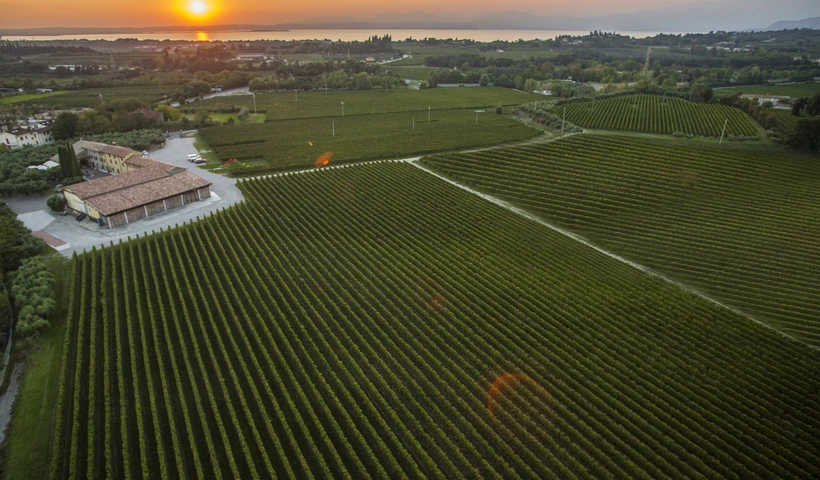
{"points": [[146, 193], [121, 152], [142, 162], [100, 186]]}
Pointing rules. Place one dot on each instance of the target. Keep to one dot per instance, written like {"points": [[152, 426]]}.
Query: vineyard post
{"points": [[428, 113], [476, 118], [254, 103], [563, 119], [723, 132], [414, 123], [343, 109], [333, 126], [296, 92], [101, 99]]}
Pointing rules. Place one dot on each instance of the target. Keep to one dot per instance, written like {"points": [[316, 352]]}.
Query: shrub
{"points": [[56, 203]]}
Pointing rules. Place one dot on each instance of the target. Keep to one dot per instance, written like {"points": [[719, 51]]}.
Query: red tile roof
{"points": [[147, 193]]}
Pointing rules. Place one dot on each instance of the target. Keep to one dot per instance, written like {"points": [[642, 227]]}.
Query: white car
{"points": [[193, 157]]}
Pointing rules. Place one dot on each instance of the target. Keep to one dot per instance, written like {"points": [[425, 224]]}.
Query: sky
{"points": [[142, 13]]}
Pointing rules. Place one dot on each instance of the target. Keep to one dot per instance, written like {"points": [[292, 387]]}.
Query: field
{"points": [[90, 97], [319, 104], [793, 90], [658, 114], [412, 73], [737, 224], [25, 98], [298, 143], [374, 321], [785, 122]]}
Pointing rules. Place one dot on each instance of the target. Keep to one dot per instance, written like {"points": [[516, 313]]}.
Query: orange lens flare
{"points": [[323, 159], [511, 389]]}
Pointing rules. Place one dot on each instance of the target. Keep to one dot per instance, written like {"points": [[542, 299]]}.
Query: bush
{"points": [[56, 203], [33, 290], [498, 109]]}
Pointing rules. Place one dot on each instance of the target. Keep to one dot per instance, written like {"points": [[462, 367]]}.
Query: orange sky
{"points": [[142, 13]]}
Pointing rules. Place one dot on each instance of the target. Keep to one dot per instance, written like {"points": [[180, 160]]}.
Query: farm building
{"points": [[147, 190], [107, 158], [34, 135]]}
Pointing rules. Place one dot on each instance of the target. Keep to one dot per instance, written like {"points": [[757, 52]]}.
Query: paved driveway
{"points": [[86, 234]]}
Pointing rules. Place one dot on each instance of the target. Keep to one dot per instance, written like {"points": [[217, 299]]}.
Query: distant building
{"points": [[148, 189], [251, 57], [775, 99], [34, 135], [43, 90], [370, 59]]}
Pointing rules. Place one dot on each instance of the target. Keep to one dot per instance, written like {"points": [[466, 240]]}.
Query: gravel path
{"points": [[7, 400]]}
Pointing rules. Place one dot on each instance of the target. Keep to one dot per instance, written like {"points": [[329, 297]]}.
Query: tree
{"points": [[242, 116], [4, 148], [813, 105], [65, 126], [56, 203], [806, 134], [798, 105], [69, 166], [484, 80], [33, 290]]}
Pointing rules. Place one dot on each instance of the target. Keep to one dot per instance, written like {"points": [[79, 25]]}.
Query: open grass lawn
{"points": [[737, 222], [287, 143], [319, 104], [30, 433], [794, 91], [27, 97], [223, 117]]}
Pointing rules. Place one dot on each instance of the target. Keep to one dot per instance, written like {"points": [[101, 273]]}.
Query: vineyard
{"points": [[659, 114], [90, 97], [297, 143], [286, 105], [377, 322], [737, 224]]}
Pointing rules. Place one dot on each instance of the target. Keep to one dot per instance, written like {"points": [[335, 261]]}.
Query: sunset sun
{"points": [[198, 8]]}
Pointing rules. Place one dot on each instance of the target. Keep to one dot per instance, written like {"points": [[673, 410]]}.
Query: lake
{"points": [[332, 34]]}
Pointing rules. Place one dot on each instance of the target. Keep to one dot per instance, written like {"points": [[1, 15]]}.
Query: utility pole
{"points": [[333, 125], [428, 113], [343, 109], [414, 123], [476, 118], [254, 103], [101, 99], [723, 132], [296, 92]]}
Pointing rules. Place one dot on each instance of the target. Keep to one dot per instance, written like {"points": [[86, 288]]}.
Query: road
{"points": [[223, 93]]}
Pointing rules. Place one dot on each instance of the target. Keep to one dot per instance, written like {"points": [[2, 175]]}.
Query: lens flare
{"points": [[323, 159], [519, 394]]}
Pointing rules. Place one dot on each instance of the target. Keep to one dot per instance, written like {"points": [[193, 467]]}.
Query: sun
{"points": [[198, 8]]}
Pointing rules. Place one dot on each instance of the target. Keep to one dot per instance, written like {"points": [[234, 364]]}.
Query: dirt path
{"points": [[619, 258]]}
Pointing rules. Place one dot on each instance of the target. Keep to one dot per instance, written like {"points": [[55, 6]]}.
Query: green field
{"points": [[658, 114], [319, 104], [785, 122], [792, 90], [287, 143], [377, 322], [224, 117], [26, 97], [411, 73], [737, 224], [90, 97]]}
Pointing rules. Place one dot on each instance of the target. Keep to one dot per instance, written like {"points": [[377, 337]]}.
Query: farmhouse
{"points": [[35, 135], [106, 158], [148, 189]]}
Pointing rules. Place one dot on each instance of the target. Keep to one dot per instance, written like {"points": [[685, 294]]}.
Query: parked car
{"points": [[193, 157], [145, 153], [199, 161]]}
